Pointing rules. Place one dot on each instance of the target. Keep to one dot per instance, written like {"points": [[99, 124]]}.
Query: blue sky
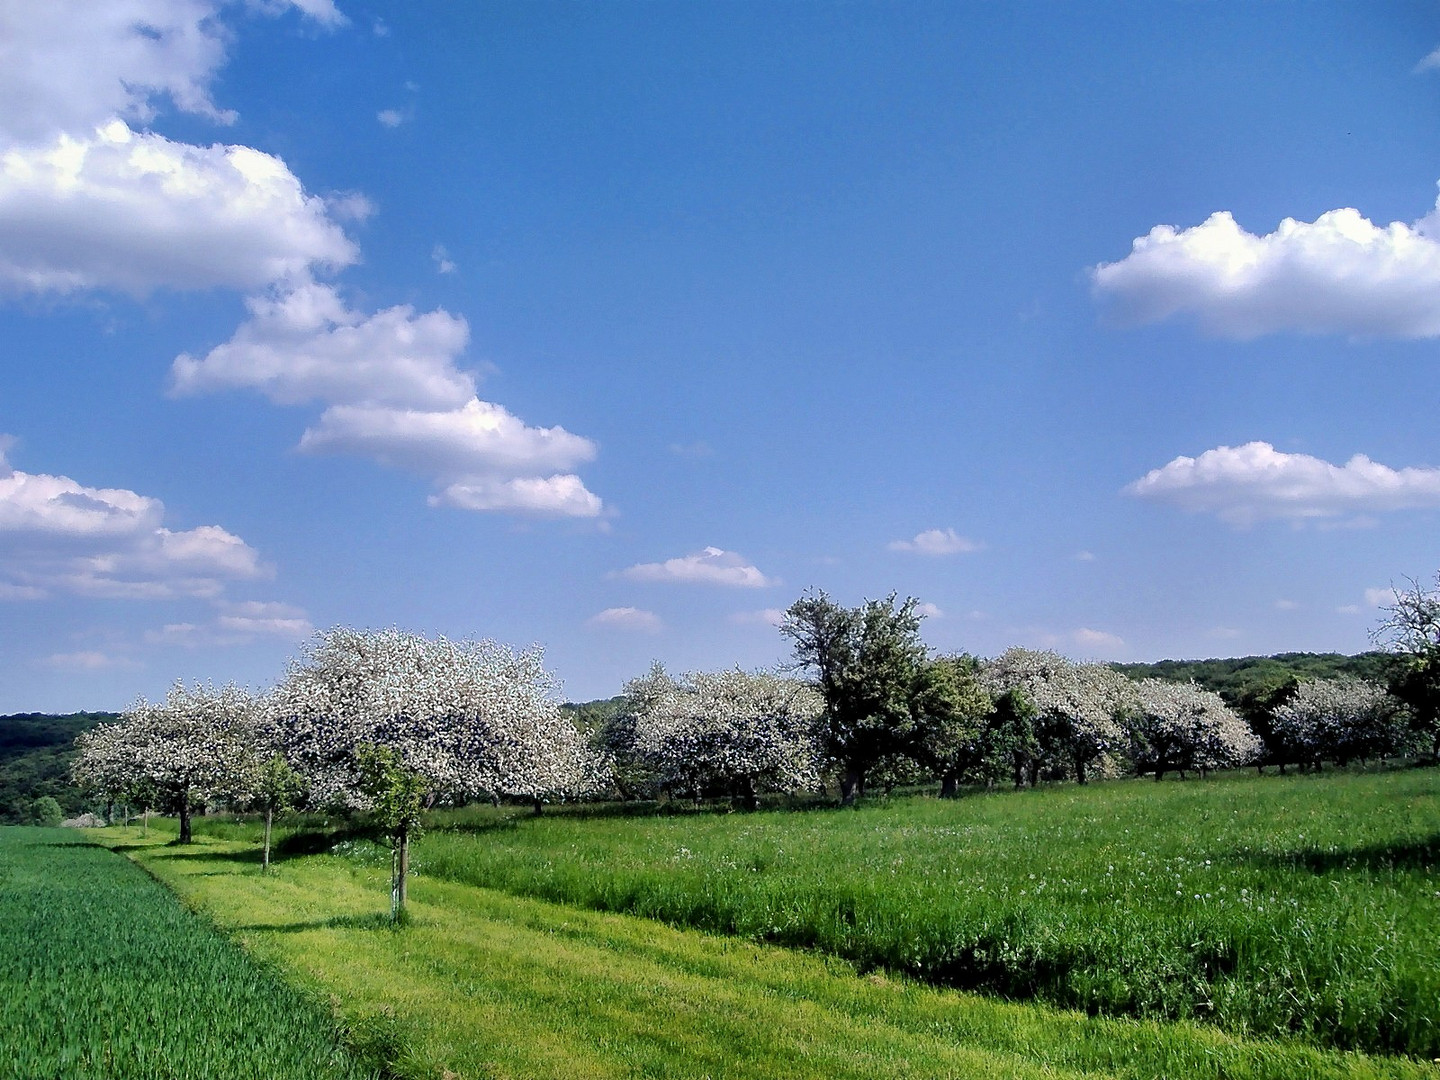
{"points": [[613, 327]]}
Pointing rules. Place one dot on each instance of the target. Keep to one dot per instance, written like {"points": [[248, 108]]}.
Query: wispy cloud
{"points": [[936, 542]]}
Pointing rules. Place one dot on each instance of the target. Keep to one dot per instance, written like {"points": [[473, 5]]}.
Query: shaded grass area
{"points": [[1305, 905], [103, 974], [485, 984]]}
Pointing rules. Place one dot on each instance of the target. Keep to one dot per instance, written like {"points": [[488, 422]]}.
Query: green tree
{"points": [[1011, 744], [276, 787], [46, 811], [865, 661], [397, 796], [951, 709]]}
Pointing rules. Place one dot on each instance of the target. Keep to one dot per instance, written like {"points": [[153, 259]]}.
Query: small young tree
{"points": [[45, 811], [727, 731], [865, 662], [275, 788], [391, 721]]}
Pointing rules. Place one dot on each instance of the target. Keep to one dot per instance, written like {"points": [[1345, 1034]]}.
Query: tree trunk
{"points": [[850, 782], [185, 818], [265, 855], [539, 806], [749, 799], [949, 786], [1080, 770], [1034, 774], [400, 873], [145, 828], [1159, 772]]}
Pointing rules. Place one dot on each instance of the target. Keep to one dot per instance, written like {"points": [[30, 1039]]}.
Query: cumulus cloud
{"points": [[57, 535], [1430, 62], [67, 65], [390, 118], [307, 344], [563, 495], [133, 211], [1339, 274], [711, 566], [395, 394], [929, 611], [1246, 484], [936, 542], [626, 618], [479, 437]]}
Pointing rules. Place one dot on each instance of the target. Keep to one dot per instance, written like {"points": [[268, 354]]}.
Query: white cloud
{"points": [[1224, 633], [1098, 641], [1348, 609], [562, 495], [929, 611], [443, 263], [89, 660], [480, 437], [1084, 556], [764, 617], [1249, 483], [1430, 62], [306, 344], [390, 118], [627, 618], [236, 624], [57, 535], [1378, 598], [937, 542], [136, 212], [1339, 274], [698, 449], [323, 12], [712, 566], [1286, 605]]}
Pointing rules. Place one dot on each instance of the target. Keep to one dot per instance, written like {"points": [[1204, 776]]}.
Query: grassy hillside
{"points": [[483, 984], [1267, 905], [35, 754], [104, 975]]}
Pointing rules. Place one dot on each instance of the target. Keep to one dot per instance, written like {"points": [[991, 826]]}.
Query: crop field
{"points": [[105, 975], [1305, 905], [483, 984]]}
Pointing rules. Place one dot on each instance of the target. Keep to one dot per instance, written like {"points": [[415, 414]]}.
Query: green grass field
{"points": [[488, 985], [1305, 905], [104, 975]]}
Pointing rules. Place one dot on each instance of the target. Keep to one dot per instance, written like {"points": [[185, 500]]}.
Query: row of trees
{"points": [[870, 704], [386, 722]]}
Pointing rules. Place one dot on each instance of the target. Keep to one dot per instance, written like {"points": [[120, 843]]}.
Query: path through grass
{"points": [[485, 984]]}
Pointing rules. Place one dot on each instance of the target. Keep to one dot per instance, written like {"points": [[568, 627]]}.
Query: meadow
{"points": [[105, 975], [484, 984], [1305, 905]]}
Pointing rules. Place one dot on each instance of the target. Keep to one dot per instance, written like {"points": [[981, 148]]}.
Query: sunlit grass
{"points": [[485, 984], [1267, 905]]}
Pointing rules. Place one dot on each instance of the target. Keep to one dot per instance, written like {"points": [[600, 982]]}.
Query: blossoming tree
{"points": [[193, 746], [394, 721], [1338, 720], [1179, 726]]}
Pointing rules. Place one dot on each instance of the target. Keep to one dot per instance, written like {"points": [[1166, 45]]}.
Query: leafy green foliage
{"points": [[1272, 905], [36, 750], [107, 976], [45, 811]]}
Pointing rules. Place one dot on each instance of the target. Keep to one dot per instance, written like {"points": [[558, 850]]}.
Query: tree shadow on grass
{"points": [[376, 920], [1368, 858]]}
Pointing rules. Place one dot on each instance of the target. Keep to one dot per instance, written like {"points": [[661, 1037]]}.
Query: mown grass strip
{"points": [[104, 975], [485, 984], [1304, 905]]}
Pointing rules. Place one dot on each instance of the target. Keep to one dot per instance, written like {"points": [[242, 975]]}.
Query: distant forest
{"points": [[35, 754], [36, 748]]}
